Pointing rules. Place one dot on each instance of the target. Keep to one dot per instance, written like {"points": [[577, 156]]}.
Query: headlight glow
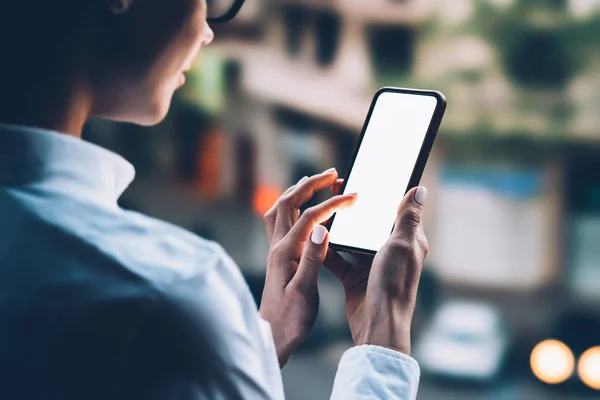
{"points": [[552, 361], [589, 368]]}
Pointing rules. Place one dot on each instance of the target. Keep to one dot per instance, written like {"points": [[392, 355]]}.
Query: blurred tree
{"points": [[534, 39], [553, 4], [537, 57]]}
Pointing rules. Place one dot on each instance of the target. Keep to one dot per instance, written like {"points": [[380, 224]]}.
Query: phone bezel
{"points": [[422, 158]]}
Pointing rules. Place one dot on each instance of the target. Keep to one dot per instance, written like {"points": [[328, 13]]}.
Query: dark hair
{"points": [[39, 39], [34, 33]]}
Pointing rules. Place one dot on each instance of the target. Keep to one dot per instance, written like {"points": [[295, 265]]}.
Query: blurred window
{"points": [[392, 50]]}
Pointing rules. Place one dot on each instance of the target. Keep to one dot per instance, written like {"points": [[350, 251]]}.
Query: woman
{"points": [[101, 303]]}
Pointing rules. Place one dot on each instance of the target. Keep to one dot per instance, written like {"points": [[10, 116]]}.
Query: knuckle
{"points": [[400, 247], [269, 215], [277, 250], [410, 218], [423, 243], [401, 283], [312, 258], [284, 202], [407, 252], [311, 213]]}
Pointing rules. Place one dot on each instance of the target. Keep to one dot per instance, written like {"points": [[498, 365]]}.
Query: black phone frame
{"points": [[422, 158]]}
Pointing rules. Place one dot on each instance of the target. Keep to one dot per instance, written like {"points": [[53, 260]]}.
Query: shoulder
{"points": [[158, 247], [164, 255], [191, 274], [179, 267]]}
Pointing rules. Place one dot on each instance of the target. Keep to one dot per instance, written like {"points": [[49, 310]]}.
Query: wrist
{"points": [[281, 349], [404, 350], [397, 341], [392, 332]]}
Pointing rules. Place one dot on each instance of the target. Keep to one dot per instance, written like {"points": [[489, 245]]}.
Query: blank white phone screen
{"points": [[382, 169]]}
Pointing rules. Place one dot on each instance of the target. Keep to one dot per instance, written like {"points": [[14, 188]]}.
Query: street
{"points": [[310, 376]]}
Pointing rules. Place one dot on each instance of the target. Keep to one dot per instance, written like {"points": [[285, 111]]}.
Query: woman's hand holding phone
{"points": [[299, 245], [381, 291]]}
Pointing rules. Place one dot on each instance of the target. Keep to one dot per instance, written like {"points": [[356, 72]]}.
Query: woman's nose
{"points": [[208, 35]]}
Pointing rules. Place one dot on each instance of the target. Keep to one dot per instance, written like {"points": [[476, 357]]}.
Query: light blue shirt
{"points": [[101, 303]]}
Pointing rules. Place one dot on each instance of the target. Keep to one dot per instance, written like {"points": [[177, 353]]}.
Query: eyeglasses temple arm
{"points": [[229, 15]]}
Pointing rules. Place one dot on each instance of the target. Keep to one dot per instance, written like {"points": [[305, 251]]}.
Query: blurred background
{"points": [[509, 304]]}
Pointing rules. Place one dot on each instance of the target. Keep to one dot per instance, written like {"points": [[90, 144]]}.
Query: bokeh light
{"points": [[552, 361], [589, 368], [264, 198]]}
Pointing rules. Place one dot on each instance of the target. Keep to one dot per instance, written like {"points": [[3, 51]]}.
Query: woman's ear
{"points": [[119, 6]]}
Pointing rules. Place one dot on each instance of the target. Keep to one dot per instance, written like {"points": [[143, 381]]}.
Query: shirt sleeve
{"points": [[373, 372], [201, 342]]}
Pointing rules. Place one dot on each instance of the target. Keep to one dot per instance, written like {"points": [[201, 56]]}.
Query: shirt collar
{"points": [[61, 163]]}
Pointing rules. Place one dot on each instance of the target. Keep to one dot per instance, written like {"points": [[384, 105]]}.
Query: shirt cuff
{"points": [[374, 372]]}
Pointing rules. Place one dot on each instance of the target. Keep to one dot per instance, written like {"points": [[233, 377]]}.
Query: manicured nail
{"points": [[329, 171], [352, 196], [318, 234], [421, 195], [302, 180]]}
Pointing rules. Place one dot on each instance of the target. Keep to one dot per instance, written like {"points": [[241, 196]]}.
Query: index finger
{"points": [[288, 205], [317, 214], [303, 192]]}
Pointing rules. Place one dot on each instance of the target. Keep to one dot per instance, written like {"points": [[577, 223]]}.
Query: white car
{"points": [[465, 340]]}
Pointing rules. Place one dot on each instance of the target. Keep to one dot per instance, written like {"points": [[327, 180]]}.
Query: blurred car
{"points": [[465, 341], [569, 354]]}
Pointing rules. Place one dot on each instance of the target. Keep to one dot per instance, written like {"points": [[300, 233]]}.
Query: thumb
{"points": [[313, 257], [409, 212]]}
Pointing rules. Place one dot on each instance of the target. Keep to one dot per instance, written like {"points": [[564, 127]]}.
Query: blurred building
{"points": [[522, 120]]}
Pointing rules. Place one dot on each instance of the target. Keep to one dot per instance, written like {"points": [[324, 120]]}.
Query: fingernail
{"points": [[302, 180], [329, 171], [421, 195], [352, 196], [318, 234]]}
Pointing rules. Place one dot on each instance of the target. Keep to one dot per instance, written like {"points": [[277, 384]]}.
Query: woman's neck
{"points": [[61, 108]]}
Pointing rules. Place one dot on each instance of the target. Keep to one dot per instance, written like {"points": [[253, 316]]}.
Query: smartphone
{"points": [[389, 160]]}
